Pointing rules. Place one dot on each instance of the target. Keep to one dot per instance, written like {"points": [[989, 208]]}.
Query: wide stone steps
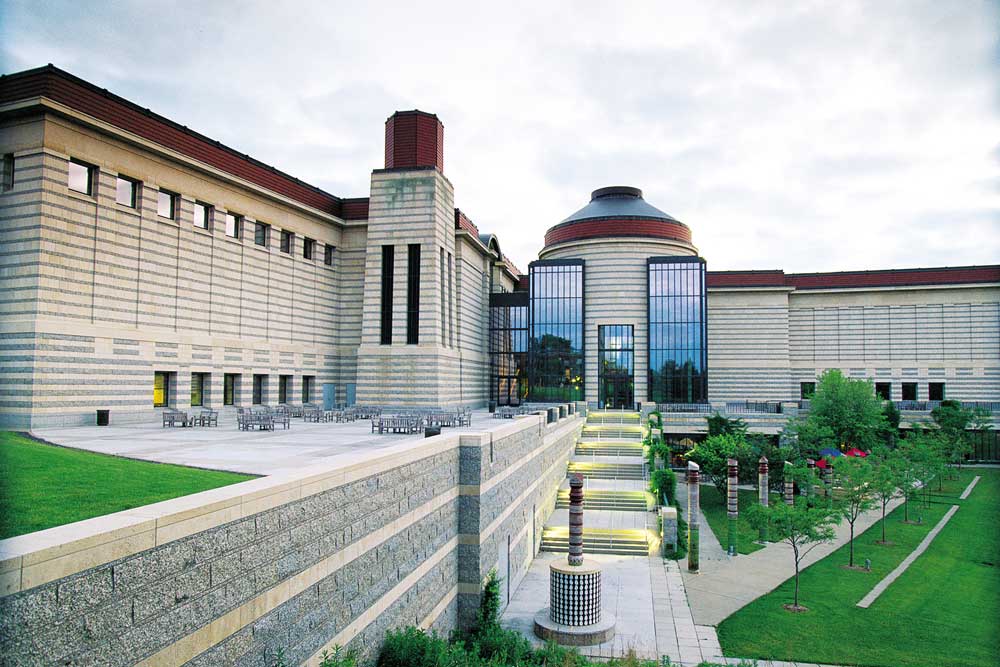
{"points": [[627, 418], [624, 501], [610, 448], [623, 542], [601, 432], [606, 470]]}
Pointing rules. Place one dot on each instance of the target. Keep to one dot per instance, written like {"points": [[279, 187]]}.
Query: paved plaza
{"points": [[225, 447]]}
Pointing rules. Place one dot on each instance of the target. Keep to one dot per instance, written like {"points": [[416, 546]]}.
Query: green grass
{"points": [[941, 612], [42, 486], [713, 506]]}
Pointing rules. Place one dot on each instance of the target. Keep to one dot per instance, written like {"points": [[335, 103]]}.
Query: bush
{"points": [[338, 658], [664, 485]]}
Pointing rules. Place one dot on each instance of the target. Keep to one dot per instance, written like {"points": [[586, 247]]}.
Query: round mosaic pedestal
{"points": [[574, 616]]}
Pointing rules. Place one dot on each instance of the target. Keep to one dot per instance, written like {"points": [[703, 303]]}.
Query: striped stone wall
{"points": [[101, 295], [337, 554]]}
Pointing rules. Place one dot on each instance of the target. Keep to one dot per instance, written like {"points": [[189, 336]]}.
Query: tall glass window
{"points": [[161, 389], [615, 366], [388, 276], [678, 354], [508, 347], [555, 345], [198, 389], [413, 294]]}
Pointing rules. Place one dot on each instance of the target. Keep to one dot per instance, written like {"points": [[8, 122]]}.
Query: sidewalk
{"points": [[726, 585]]}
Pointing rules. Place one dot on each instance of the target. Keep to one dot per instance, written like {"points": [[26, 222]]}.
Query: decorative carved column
{"points": [[789, 485], [732, 502], [762, 491], [693, 480]]}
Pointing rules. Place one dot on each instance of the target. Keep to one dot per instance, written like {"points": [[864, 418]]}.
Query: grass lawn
{"points": [[941, 612], [713, 506], [43, 485]]}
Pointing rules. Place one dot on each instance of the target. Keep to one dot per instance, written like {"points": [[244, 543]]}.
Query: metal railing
{"points": [[753, 407], [703, 408]]}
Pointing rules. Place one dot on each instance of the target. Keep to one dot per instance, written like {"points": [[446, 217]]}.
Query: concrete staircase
{"points": [[609, 455]]}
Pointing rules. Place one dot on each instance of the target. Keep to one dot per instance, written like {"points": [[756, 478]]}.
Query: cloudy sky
{"points": [[808, 136]]}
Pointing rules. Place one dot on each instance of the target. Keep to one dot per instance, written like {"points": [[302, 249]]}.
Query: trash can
{"points": [[103, 417], [431, 431]]}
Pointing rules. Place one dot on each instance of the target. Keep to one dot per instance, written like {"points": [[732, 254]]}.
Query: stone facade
{"points": [[298, 563]]}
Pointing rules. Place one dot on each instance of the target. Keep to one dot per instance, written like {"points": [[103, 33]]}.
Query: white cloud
{"points": [[805, 136]]}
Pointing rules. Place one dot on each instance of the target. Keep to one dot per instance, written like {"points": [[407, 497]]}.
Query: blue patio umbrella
{"points": [[829, 451]]}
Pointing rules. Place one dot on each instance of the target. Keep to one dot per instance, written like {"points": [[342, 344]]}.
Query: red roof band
{"points": [[958, 275], [618, 227]]}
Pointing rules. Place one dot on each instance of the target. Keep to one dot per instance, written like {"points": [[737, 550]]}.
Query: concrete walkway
{"points": [[225, 447], [727, 585], [710, 547]]}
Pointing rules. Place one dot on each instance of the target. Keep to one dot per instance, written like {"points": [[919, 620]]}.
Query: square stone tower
{"points": [[408, 353]]}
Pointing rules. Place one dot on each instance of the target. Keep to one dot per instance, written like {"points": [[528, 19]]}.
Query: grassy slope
{"points": [[713, 506], [941, 611], [43, 486]]}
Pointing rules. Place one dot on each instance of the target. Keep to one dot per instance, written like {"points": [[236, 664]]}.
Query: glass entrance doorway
{"points": [[616, 352]]}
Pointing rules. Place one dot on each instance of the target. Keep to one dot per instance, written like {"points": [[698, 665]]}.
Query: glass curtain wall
{"points": [[555, 345], [678, 355], [615, 365], [508, 348]]}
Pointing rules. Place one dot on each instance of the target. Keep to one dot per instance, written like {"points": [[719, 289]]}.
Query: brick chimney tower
{"points": [[414, 139]]}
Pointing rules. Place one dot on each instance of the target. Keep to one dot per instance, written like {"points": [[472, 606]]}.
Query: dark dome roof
{"points": [[617, 202]]}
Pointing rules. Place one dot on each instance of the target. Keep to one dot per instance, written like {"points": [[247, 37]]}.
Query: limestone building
{"points": [[145, 265]]}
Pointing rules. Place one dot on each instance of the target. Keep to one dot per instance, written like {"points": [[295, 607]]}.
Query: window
{"points": [[615, 354], [909, 391], [284, 384], [286, 241], [508, 347], [8, 172], [202, 215], [198, 389], [328, 254], [126, 190], [413, 294], [884, 390], [806, 390], [308, 245], [555, 345], [935, 391], [259, 386], [166, 204], [229, 384], [444, 303], [678, 356], [81, 177], [234, 223], [161, 389], [388, 269], [261, 233], [307, 387]]}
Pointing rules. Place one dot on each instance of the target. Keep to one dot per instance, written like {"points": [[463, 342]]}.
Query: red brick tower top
{"points": [[414, 139]]}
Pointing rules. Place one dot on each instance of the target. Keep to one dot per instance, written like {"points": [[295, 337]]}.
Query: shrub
{"points": [[664, 485], [338, 658]]}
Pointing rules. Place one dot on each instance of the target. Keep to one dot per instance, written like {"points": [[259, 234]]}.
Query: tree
{"points": [[856, 493], [892, 417], [802, 527], [721, 425], [886, 480], [712, 455], [952, 421], [843, 413], [922, 450]]}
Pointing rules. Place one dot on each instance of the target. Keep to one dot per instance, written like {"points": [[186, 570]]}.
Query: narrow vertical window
{"points": [[307, 387], [451, 302], [388, 268], [444, 303], [81, 177], [202, 215], [261, 233], [328, 254], [161, 389], [258, 389], [8, 172], [308, 246], [413, 294], [166, 204], [126, 191], [197, 389], [284, 384], [229, 388], [233, 224], [286, 241]]}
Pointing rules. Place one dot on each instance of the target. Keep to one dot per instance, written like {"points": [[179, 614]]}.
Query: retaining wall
{"points": [[299, 562]]}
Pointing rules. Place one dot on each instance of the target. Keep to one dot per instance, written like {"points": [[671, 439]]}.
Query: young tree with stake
{"points": [[856, 494]]}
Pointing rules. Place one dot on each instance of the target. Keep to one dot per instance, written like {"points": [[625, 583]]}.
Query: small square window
{"points": [[806, 390], [328, 254], [233, 224], [286, 241], [261, 233], [125, 193], [308, 245], [884, 390], [909, 391], [202, 215], [8, 172], [81, 177], [166, 204]]}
